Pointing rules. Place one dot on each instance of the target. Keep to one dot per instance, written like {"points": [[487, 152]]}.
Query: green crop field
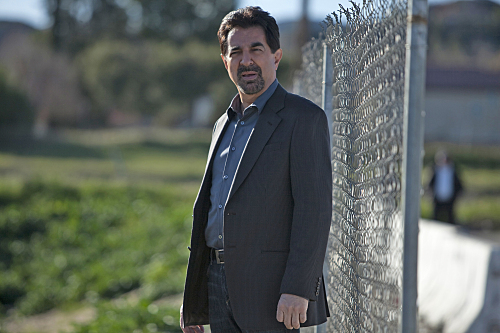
{"points": [[89, 218]]}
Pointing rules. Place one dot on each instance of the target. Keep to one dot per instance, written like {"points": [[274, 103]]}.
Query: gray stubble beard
{"points": [[252, 87]]}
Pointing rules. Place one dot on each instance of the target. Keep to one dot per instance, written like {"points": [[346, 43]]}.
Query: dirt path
{"points": [[58, 321], [54, 321]]}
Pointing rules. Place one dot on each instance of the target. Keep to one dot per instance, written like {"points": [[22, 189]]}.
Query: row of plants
{"points": [[65, 244], [136, 317]]}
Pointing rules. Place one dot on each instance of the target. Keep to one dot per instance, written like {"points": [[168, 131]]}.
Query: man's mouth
{"points": [[248, 76], [249, 73]]}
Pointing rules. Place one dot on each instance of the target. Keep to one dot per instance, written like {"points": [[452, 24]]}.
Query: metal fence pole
{"points": [[416, 48], [327, 105], [326, 92]]}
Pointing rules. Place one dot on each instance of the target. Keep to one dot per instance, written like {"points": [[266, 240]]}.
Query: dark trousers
{"points": [[443, 211], [220, 312]]}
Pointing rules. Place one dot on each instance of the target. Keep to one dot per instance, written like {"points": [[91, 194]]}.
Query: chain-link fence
{"points": [[365, 256], [308, 81]]}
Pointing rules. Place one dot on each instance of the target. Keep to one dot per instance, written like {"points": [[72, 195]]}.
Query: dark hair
{"points": [[246, 18]]}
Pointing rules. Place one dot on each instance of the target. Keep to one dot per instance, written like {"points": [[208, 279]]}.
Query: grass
{"points": [[79, 158], [477, 181], [477, 157], [86, 221]]}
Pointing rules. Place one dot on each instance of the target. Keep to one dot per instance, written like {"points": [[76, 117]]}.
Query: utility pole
{"points": [[302, 33]]}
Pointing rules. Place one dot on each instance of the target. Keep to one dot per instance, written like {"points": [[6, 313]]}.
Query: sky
{"points": [[33, 13]]}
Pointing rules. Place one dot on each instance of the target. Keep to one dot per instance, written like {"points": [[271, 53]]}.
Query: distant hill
{"points": [[465, 34], [461, 35], [466, 22], [288, 32], [8, 27]]}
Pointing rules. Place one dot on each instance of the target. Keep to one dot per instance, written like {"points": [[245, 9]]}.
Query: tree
{"points": [[15, 109], [77, 23], [182, 19], [153, 78], [48, 79]]}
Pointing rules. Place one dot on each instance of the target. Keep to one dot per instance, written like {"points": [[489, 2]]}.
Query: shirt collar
{"points": [[259, 103]]}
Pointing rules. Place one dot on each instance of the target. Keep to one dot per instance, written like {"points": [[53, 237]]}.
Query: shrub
{"points": [[60, 242], [122, 316], [16, 108]]}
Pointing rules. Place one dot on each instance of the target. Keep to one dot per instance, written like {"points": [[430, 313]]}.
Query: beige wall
{"points": [[462, 116]]}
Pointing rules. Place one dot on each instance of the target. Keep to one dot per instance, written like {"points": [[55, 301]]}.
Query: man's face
{"points": [[249, 61]]}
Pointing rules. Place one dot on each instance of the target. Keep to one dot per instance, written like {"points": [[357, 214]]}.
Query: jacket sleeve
{"points": [[311, 183]]}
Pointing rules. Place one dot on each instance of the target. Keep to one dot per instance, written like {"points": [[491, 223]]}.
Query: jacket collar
{"points": [[265, 127]]}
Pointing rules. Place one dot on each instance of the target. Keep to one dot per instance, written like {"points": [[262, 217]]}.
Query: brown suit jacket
{"points": [[276, 219]]}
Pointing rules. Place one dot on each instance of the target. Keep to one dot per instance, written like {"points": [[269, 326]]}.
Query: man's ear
{"points": [[224, 60], [277, 58]]}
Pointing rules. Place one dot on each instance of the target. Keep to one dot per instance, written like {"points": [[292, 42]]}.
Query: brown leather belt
{"points": [[217, 255]]}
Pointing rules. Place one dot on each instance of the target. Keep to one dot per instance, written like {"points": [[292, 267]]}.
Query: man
{"points": [[445, 186], [261, 219]]}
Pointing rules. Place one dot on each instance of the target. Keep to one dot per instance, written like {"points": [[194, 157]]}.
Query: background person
{"points": [[445, 186]]}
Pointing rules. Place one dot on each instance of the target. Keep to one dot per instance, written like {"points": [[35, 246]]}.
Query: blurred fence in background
{"points": [[365, 258], [308, 81]]}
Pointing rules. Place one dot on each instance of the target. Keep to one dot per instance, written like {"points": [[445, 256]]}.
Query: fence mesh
{"points": [[308, 81], [366, 236]]}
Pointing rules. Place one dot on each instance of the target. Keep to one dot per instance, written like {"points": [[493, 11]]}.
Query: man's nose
{"points": [[246, 60]]}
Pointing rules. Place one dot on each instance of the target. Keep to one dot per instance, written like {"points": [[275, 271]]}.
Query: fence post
{"points": [[416, 48], [326, 91], [327, 105]]}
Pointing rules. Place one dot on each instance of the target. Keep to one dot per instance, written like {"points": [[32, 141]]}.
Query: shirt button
{"points": [[233, 149], [220, 236], [242, 122], [225, 177], [220, 206]]}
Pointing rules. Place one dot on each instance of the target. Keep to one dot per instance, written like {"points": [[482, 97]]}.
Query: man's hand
{"points": [[292, 311], [191, 329]]}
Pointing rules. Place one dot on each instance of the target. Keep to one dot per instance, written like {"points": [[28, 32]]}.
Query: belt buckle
{"points": [[218, 255]]}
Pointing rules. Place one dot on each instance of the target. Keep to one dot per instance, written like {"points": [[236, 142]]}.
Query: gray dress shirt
{"points": [[227, 160]]}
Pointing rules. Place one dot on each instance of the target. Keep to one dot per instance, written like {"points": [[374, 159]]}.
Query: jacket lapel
{"points": [[219, 129], [267, 123]]}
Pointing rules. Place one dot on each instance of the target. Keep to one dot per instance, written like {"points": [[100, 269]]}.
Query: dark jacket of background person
{"points": [[276, 220]]}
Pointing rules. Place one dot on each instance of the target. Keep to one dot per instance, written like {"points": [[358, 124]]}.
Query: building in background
{"points": [[462, 106], [463, 73]]}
